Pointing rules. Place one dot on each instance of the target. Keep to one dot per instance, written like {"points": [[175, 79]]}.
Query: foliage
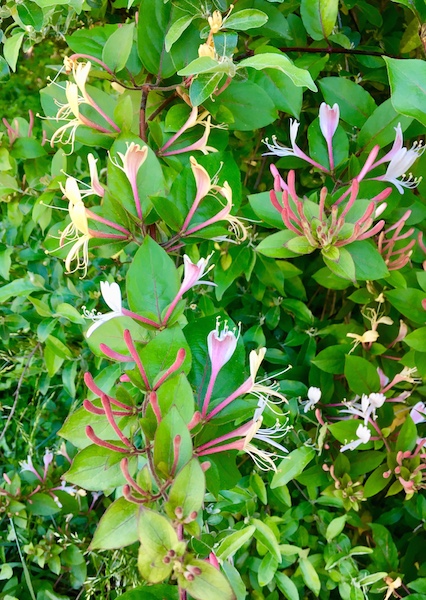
{"points": [[246, 420]]}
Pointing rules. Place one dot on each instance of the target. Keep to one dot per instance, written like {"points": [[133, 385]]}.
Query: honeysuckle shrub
{"points": [[214, 301]]}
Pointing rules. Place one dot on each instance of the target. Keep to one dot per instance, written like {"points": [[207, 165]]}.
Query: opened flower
{"points": [[132, 161], [314, 396], [363, 434], [247, 433], [111, 294]]}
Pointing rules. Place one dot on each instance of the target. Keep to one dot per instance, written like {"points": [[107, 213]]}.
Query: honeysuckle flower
{"points": [[215, 21], [111, 294], [94, 179], [132, 160], [247, 433], [329, 120], [418, 413], [27, 465], [79, 252], [366, 409], [262, 392], [314, 396], [276, 149], [193, 275], [396, 259], [221, 345], [203, 119], [400, 160], [363, 434], [404, 375]]}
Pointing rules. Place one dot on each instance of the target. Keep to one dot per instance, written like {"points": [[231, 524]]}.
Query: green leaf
{"points": [[376, 482], [273, 60], [407, 436], [299, 245], [369, 264], [408, 75], [96, 468], [332, 359], [385, 554], [210, 584], [11, 48], [343, 266], [408, 301], [187, 492], [335, 527], [152, 30], [42, 505], [203, 87], [169, 428], [117, 527], [417, 339], [267, 569], [292, 466], [262, 206], [418, 585], [266, 536], [68, 311], [310, 576], [249, 105], [319, 17], [204, 64], [30, 15], [176, 30], [230, 544], [380, 126], [246, 19], [286, 96], [355, 103], [118, 47], [361, 375], [276, 245], [150, 294], [286, 586], [157, 538], [152, 592]]}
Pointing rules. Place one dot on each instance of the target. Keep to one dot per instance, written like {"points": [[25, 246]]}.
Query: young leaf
{"points": [[210, 584], [292, 465], [117, 527], [230, 544], [272, 60], [118, 47], [319, 17], [187, 492]]}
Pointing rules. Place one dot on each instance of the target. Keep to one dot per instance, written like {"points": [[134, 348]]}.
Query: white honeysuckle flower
{"points": [[401, 160], [365, 409], [314, 396], [364, 435], [111, 294], [418, 413]]}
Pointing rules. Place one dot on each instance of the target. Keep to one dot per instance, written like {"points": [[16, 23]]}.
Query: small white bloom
{"points": [[399, 165], [314, 396], [111, 294], [363, 434]]}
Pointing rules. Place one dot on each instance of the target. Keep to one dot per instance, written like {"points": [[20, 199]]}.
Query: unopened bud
{"points": [[166, 560], [215, 21], [380, 209], [206, 50], [179, 512], [205, 466]]}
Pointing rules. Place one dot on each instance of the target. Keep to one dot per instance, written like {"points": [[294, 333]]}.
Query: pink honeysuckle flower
{"points": [[132, 160], [400, 160], [111, 294], [329, 120], [247, 433], [418, 413], [363, 434], [221, 344], [27, 465]]}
